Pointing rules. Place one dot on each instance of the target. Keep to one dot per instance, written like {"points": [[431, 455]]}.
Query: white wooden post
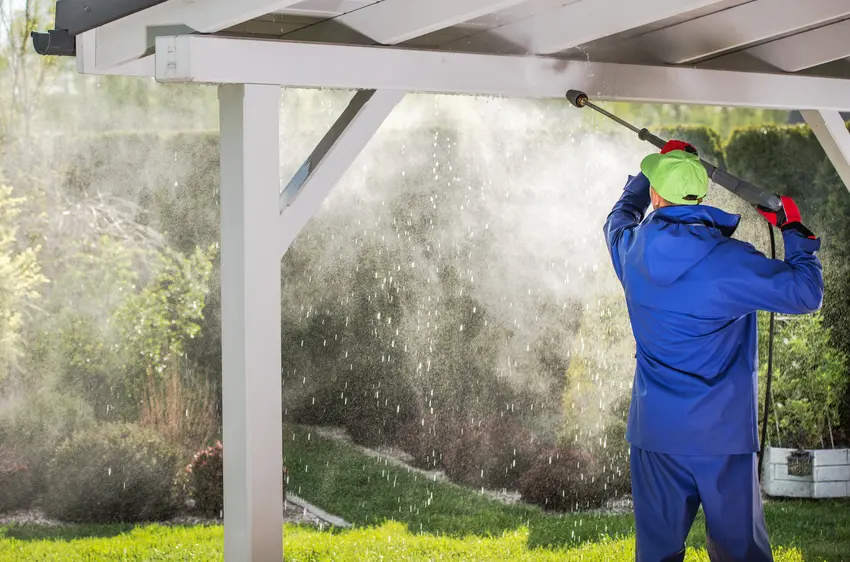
{"points": [[250, 285]]}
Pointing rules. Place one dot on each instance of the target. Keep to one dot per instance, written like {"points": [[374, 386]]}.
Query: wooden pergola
{"points": [[780, 54]]}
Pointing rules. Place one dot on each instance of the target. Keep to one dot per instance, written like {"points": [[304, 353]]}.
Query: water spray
{"points": [[746, 191]]}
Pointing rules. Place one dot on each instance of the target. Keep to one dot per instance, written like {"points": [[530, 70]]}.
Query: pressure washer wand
{"points": [[745, 190]]}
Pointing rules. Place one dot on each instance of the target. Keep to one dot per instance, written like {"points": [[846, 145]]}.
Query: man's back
{"points": [[692, 293]]}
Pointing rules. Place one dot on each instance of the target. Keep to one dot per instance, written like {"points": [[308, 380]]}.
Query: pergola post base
{"points": [[251, 323]]}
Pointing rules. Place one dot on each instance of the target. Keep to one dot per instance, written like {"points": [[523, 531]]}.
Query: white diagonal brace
{"points": [[304, 194], [133, 36], [396, 21], [738, 27], [805, 50], [831, 131], [221, 60], [580, 22]]}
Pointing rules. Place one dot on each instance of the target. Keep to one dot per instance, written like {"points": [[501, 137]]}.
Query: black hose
{"points": [[770, 336]]}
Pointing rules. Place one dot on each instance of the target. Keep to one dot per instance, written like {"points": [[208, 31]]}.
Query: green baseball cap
{"points": [[678, 176]]}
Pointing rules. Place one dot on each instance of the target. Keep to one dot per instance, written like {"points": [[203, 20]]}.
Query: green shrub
{"points": [[563, 480], [706, 140], [492, 453], [206, 480], [781, 159], [38, 424], [112, 473], [16, 487], [206, 477]]}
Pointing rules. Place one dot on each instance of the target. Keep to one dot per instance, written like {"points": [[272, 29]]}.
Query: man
{"points": [[692, 292]]}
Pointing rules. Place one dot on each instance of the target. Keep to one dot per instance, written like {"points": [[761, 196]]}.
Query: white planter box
{"points": [[829, 478]]}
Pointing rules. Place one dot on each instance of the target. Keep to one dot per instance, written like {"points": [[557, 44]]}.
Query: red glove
{"points": [[678, 145], [788, 217], [787, 214]]}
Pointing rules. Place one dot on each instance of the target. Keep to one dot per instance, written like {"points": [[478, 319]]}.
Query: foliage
{"points": [[562, 480], [158, 320], [37, 424], [181, 406], [490, 453], [367, 491], [25, 74], [390, 542], [808, 382], [16, 486], [206, 475], [705, 139], [112, 473], [724, 120], [20, 280], [782, 160], [800, 530]]}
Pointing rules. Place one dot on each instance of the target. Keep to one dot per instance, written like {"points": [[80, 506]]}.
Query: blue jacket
{"points": [[692, 292]]}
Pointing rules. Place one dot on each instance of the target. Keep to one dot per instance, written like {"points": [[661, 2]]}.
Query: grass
{"points": [[389, 542], [401, 516]]}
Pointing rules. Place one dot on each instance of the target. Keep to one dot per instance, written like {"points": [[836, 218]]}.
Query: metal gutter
{"points": [[74, 17]]}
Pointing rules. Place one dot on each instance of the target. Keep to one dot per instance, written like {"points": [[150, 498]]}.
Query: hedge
{"points": [[705, 139]]}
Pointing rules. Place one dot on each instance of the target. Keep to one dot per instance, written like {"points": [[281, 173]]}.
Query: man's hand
{"points": [[787, 218], [678, 145]]}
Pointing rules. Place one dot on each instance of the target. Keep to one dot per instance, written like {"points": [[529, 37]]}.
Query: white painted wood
{"points": [[133, 36], [580, 22], [808, 49], [739, 27], [86, 45], [215, 60], [831, 131], [304, 195], [395, 21], [250, 310]]}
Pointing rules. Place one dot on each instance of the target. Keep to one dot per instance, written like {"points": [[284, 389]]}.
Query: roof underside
{"points": [[811, 37], [778, 51]]}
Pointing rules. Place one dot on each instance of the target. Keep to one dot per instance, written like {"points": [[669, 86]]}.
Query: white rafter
{"points": [[738, 27], [216, 60], [577, 23], [808, 49], [396, 21], [831, 131], [132, 37]]}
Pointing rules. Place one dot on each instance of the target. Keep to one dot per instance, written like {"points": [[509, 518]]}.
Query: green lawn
{"points": [[430, 520]]}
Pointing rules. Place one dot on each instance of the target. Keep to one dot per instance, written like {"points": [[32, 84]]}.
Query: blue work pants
{"points": [[667, 491]]}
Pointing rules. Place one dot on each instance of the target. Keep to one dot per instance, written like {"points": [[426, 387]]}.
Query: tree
{"points": [[808, 382], [20, 279], [25, 74]]}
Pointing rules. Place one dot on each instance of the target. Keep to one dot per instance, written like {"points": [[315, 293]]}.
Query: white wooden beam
{"points": [[250, 310], [805, 50], [396, 21], [133, 36], [831, 131], [580, 22], [221, 60], [86, 64], [738, 27], [304, 194]]}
